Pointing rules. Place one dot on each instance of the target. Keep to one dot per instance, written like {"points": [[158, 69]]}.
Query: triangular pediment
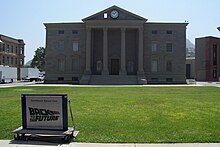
{"points": [[114, 13]]}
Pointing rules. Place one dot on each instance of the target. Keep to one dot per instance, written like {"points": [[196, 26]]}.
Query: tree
{"points": [[39, 59]]}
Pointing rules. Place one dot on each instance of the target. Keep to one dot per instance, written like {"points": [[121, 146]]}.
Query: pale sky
{"points": [[24, 18]]}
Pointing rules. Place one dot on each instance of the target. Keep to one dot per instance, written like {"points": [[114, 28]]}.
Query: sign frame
{"points": [[63, 107]]}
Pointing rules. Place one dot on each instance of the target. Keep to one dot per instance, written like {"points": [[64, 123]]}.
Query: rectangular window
{"points": [[61, 45], [16, 49], [12, 49], [214, 54], [154, 66], [3, 59], [61, 65], [75, 32], [154, 79], [169, 66], [169, 47], [7, 50], [154, 47], [75, 79], [12, 60], [75, 64], [21, 50], [75, 46], [105, 15], [154, 32], [16, 61], [169, 32], [61, 32], [60, 78], [214, 73], [169, 79], [7, 61], [3, 47]]}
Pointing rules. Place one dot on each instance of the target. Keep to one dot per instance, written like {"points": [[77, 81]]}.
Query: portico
{"points": [[112, 61]]}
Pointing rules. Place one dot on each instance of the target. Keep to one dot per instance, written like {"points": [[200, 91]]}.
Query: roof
{"points": [[126, 14], [4, 38]]}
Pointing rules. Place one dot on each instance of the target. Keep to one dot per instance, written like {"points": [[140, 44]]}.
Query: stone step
{"points": [[113, 80]]}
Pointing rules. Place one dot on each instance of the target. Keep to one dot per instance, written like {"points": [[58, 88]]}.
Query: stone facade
{"points": [[207, 58], [12, 52], [115, 46]]}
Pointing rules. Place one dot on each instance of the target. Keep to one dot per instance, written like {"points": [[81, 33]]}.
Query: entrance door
{"points": [[188, 71], [114, 66]]}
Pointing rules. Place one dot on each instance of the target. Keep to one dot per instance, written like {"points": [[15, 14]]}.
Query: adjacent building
{"points": [[115, 46], [12, 52], [207, 58]]}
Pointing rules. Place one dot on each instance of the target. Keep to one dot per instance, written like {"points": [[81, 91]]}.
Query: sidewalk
{"points": [[12, 143]]}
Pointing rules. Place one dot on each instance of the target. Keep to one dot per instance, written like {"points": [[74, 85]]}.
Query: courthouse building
{"points": [[115, 46]]}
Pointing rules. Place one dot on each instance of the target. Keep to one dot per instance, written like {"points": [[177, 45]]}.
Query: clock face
{"points": [[114, 14]]}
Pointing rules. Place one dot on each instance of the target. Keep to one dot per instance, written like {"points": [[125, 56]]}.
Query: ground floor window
{"points": [[130, 68], [60, 78], [214, 73], [99, 66], [169, 79]]}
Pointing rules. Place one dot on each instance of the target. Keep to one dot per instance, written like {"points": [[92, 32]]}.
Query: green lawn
{"points": [[129, 114]]}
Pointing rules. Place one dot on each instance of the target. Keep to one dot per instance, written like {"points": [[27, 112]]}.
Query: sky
{"points": [[23, 19]]}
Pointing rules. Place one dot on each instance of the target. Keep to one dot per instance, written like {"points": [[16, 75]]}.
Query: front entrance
{"points": [[114, 66], [188, 71]]}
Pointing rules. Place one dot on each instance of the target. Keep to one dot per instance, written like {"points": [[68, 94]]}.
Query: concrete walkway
{"points": [[12, 143]]}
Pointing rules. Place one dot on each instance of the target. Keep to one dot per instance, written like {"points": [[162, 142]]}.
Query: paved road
{"points": [[16, 84], [9, 143]]}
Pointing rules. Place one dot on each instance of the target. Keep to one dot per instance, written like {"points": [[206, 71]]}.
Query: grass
{"points": [[129, 114]]}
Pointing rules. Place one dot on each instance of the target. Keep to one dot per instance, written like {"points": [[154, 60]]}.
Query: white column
{"points": [[105, 52], [123, 53], [140, 52], [88, 51]]}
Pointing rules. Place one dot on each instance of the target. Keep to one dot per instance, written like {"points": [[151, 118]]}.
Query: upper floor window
{"points": [[16, 49], [169, 32], [105, 15], [7, 48], [169, 47], [3, 47], [21, 50], [61, 32], [154, 47], [214, 54], [75, 46], [75, 32], [154, 32], [60, 45], [12, 48]]}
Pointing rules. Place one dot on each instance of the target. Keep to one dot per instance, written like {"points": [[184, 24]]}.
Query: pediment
{"points": [[120, 14]]}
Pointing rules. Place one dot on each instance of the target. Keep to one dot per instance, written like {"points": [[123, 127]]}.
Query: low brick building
{"points": [[207, 58]]}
